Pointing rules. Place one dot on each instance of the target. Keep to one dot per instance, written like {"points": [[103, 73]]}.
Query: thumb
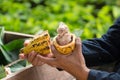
{"points": [[79, 50], [78, 45], [27, 42], [46, 59], [22, 56]]}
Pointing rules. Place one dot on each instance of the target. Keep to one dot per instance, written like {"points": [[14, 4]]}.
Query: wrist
{"points": [[80, 73]]}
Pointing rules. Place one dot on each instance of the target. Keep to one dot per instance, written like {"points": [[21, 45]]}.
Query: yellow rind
{"points": [[65, 49], [40, 44]]}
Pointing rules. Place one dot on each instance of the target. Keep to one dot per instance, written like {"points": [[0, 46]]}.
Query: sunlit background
{"points": [[92, 17], [85, 18]]}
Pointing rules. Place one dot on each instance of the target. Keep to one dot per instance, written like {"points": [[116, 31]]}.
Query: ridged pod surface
{"points": [[40, 44]]}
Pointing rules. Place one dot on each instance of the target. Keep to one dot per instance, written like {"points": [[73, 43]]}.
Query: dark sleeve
{"points": [[103, 50], [102, 75]]}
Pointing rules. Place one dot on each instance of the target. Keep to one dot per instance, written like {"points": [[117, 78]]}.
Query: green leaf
{"points": [[18, 66], [2, 72], [11, 49], [116, 11], [15, 44], [5, 53], [1, 34]]}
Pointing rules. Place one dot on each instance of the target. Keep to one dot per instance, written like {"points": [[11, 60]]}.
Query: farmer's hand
{"points": [[73, 63], [22, 55]]}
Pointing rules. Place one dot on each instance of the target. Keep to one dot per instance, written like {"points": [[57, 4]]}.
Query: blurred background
{"points": [[92, 17], [85, 18]]}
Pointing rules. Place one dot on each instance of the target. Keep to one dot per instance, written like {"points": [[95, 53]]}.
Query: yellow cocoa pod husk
{"points": [[65, 49], [40, 44]]}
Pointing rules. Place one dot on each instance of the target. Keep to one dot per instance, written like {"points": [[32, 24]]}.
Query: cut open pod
{"points": [[65, 49]]}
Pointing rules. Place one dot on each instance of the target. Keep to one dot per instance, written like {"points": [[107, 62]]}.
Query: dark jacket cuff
{"points": [[97, 75], [103, 75], [117, 21]]}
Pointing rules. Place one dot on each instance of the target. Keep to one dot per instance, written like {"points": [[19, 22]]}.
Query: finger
{"points": [[31, 56], [26, 42], [79, 48], [78, 45], [54, 51], [22, 56], [40, 63], [50, 55], [26, 56], [45, 59], [49, 61], [35, 62]]}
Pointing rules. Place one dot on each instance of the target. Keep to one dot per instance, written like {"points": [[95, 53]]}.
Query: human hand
{"points": [[73, 63], [22, 55]]}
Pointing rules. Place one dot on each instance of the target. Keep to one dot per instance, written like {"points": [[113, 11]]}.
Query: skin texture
{"points": [[73, 63]]}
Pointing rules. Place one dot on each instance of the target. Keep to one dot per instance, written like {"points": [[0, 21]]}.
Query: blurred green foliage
{"points": [[30, 16], [2, 72], [91, 18], [8, 53]]}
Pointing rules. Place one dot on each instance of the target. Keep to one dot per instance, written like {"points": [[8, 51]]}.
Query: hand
{"points": [[22, 55], [73, 63], [31, 57]]}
